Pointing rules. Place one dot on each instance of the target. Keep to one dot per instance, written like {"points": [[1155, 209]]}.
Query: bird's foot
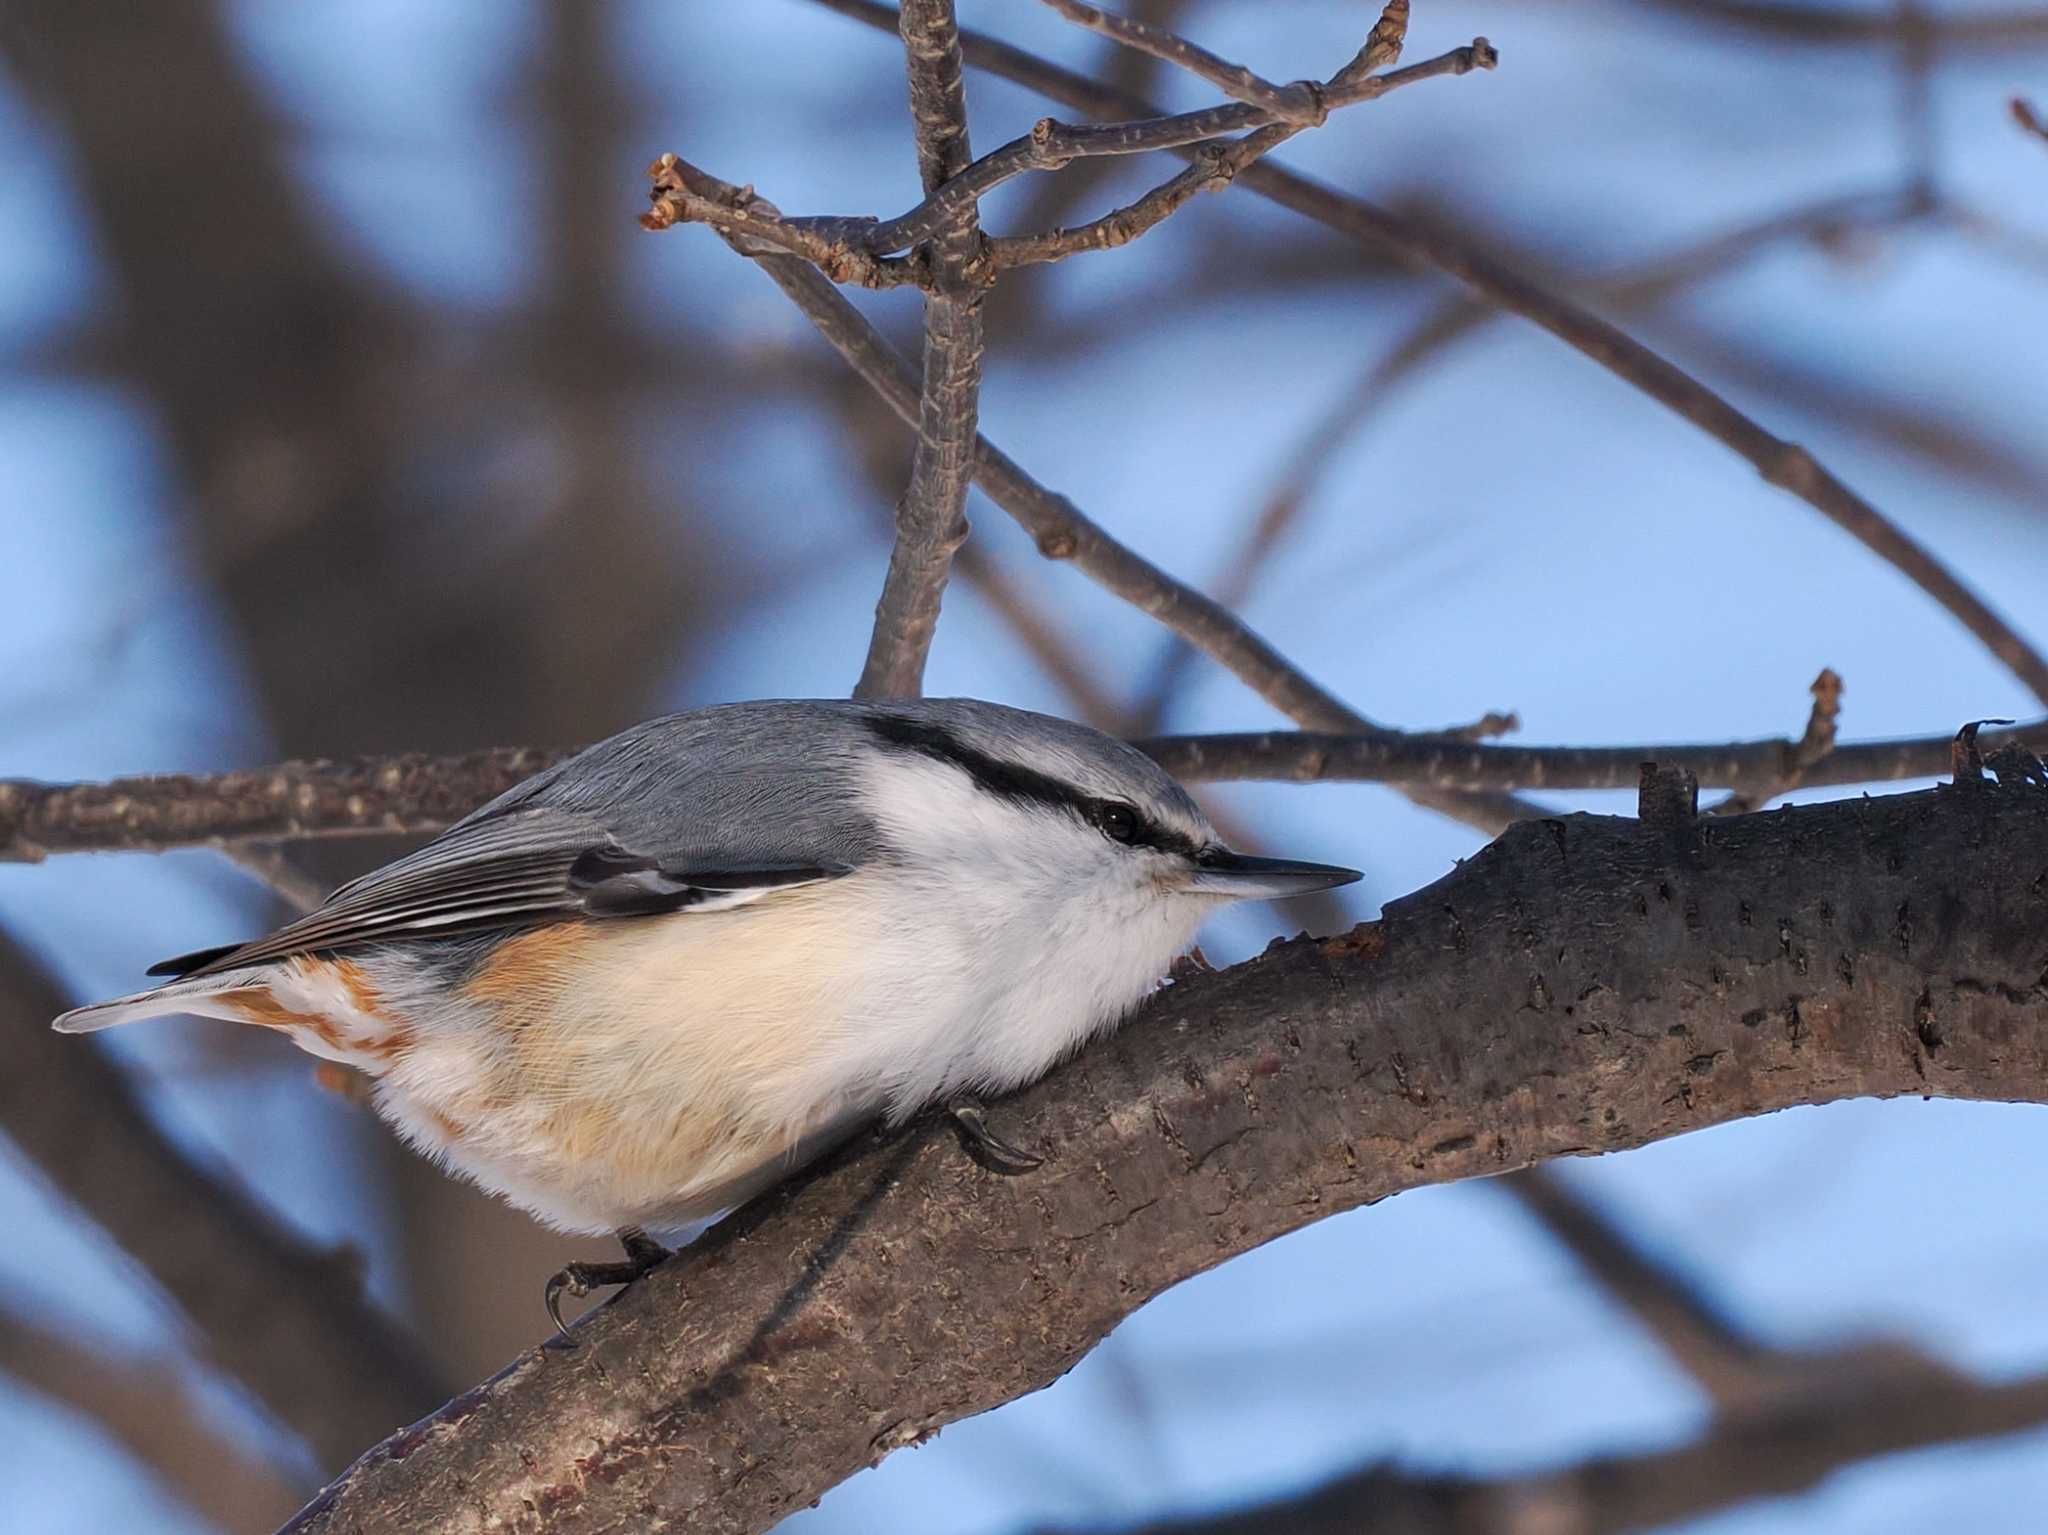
{"points": [[984, 1145], [579, 1279]]}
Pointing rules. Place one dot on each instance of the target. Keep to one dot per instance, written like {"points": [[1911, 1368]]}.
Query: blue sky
{"points": [[1512, 529]]}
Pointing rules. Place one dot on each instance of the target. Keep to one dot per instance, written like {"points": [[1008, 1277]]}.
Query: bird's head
{"points": [[1054, 812]]}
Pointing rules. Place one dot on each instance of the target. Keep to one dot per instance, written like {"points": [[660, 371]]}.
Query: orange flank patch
{"points": [[259, 1005], [530, 966], [357, 985]]}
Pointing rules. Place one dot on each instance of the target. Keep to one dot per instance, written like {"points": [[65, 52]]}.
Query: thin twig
{"points": [[931, 519], [1053, 145], [1382, 50], [915, 561], [857, 250], [2029, 120], [1808, 752], [1277, 516], [1304, 104], [1215, 166], [1822, 222], [1920, 153], [1780, 463], [1063, 532], [1448, 763], [1035, 626], [835, 246], [1299, 103], [155, 814], [1059, 528], [1018, 307]]}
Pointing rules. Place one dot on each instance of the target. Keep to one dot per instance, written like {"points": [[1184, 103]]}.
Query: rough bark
{"points": [[1584, 984]]}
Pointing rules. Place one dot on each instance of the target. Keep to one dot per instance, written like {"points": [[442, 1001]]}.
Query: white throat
{"points": [[1025, 931]]}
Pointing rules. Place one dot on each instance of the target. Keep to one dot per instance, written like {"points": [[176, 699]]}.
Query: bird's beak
{"points": [[1236, 877]]}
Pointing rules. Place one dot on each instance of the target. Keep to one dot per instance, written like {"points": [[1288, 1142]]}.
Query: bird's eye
{"points": [[1118, 822]]}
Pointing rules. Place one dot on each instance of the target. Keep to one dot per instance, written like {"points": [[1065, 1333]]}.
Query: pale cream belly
{"points": [[586, 1166], [643, 1073]]}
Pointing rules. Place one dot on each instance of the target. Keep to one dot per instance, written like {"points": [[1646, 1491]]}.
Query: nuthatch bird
{"points": [[647, 982]]}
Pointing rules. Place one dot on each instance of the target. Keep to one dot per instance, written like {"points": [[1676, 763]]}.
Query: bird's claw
{"points": [[987, 1147], [579, 1279]]}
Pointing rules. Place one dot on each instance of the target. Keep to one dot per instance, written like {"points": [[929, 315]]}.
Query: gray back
{"points": [[690, 809], [774, 781]]}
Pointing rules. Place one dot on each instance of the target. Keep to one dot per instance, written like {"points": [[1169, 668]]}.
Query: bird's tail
{"points": [[202, 997]]}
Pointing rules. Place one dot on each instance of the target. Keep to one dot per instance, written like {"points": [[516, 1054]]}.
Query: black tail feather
{"points": [[198, 959]]}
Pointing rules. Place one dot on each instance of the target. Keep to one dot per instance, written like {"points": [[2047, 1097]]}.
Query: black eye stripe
{"points": [[1020, 784]]}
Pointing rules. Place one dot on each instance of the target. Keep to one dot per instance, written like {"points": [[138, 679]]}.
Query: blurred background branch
{"points": [[1786, 465], [151, 1412], [1785, 1446], [290, 1323]]}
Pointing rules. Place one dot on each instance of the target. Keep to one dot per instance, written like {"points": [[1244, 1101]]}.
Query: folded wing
{"points": [[519, 868]]}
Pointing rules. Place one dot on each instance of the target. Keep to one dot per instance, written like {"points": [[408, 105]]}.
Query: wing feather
{"points": [[516, 869]]}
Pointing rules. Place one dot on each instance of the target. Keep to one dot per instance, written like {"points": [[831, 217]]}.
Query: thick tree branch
{"points": [[1585, 984], [931, 520], [1784, 464], [289, 1322]]}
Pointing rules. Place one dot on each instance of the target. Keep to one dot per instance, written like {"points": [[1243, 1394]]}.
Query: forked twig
{"points": [[1783, 464]]}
